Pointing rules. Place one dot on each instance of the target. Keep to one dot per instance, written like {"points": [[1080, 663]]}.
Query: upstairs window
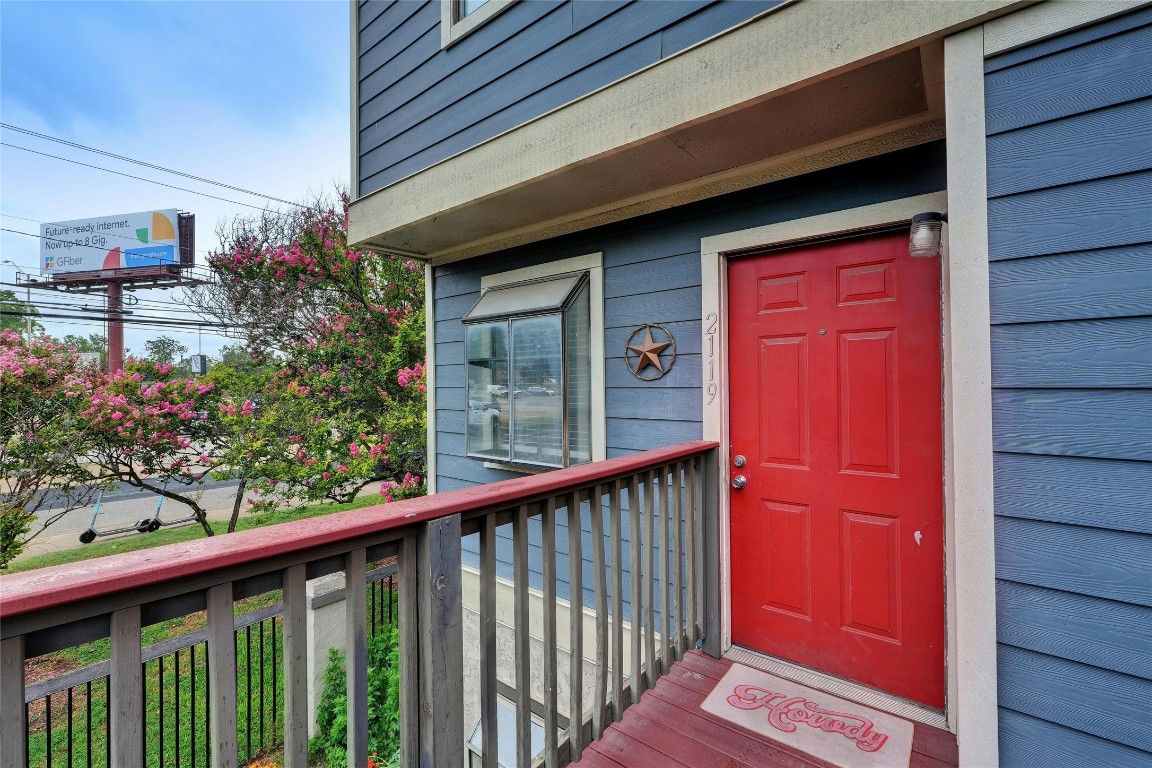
{"points": [[460, 17], [529, 374]]}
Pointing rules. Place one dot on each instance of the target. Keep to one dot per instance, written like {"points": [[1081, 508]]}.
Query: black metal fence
{"points": [[67, 715]]}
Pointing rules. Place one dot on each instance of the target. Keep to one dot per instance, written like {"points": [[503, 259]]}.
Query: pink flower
{"points": [[354, 449]]}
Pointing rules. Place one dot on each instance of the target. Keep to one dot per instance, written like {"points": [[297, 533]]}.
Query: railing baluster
{"points": [[698, 548], [576, 627], [649, 580], [48, 731], [356, 642], [192, 704], [634, 535], [13, 713], [88, 722], [221, 745], [295, 581], [617, 604], [69, 728], [177, 706], [666, 640], [674, 553], [523, 662], [408, 610], [690, 551], [127, 688], [261, 636], [600, 588], [490, 747], [160, 707], [548, 574]]}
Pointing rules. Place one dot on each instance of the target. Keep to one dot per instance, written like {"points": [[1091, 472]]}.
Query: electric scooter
{"points": [[143, 525]]}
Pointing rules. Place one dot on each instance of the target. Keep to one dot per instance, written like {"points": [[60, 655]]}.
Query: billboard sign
{"points": [[127, 241]]}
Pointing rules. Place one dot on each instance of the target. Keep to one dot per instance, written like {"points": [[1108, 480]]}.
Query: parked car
{"points": [[483, 413], [539, 392], [498, 390]]}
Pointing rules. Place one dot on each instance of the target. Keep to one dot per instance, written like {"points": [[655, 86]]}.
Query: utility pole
{"points": [[115, 326], [28, 321]]}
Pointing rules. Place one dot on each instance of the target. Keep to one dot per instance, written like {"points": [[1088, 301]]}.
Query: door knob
{"points": [[739, 461], [739, 482]]}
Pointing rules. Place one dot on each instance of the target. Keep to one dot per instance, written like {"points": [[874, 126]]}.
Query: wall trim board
{"points": [[968, 476], [769, 55], [354, 99], [1047, 19], [430, 373]]}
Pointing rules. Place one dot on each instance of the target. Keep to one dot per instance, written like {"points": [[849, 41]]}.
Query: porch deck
{"points": [[668, 728]]}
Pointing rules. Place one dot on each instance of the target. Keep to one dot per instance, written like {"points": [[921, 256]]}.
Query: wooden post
{"points": [[576, 625], [356, 655], [221, 678], [441, 644], [548, 574], [13, 722], [295, 667], [408, 611], [127, 688], [523, 663], [711, 562], [490, 746]]}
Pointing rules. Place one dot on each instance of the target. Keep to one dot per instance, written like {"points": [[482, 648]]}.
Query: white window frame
{"points": [[593, 264], [452, 30]]}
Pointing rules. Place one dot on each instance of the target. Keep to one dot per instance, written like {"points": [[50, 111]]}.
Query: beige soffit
{"points": [[468, 204]]}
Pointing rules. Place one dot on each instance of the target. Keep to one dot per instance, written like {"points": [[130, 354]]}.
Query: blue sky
{"points": [[254, 94]]}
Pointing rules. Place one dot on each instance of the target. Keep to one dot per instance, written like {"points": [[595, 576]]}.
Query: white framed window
{"points": [[460, 17], [533, 347]]}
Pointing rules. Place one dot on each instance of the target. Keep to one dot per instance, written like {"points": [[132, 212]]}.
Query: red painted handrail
{"points": [[61, 585]]}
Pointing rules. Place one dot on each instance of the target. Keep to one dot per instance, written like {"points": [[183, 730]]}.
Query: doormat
{"points": [[838, 731]]}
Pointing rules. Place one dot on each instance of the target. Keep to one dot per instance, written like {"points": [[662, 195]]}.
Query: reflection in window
{"points": [[529, 373], [465, 7]]}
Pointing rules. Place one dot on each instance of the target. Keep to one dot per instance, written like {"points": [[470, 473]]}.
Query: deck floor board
{"points": [[668, 728]]}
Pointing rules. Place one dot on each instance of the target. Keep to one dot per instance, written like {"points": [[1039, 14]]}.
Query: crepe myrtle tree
{"points": [[351, 355], [154, 430], [43, 438]]}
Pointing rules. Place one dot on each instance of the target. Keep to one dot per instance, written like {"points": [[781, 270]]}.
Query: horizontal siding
{"points": [[1090, 76], [1086, 698], [1068, 489], [1116, 352], [1070, 278], [1104, 633], [1092, 214], [1109, 424], [651, 275], [1113, 282], [1034, 742], [1087, 561], [419, 104]]}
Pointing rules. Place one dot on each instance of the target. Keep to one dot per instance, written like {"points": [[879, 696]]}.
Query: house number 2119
{"points": [[710, 332]]}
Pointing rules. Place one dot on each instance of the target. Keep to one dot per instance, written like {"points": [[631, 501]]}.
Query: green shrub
{"points": [[330, 746]]}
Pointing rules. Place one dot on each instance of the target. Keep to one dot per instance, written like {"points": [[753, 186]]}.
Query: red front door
{"points": [[835, 392]]}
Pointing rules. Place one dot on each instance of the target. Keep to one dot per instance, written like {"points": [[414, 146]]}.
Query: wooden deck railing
{"points": [[671, 553]]}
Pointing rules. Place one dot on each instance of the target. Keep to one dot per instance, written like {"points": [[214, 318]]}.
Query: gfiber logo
{"points": [[49, 262]]}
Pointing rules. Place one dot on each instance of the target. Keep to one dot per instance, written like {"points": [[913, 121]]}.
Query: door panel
{"points": [[835, 392]]}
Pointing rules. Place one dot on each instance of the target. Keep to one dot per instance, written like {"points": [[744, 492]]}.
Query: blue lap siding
{"points": [[419, 104], [651, 275], [1070, 248]]}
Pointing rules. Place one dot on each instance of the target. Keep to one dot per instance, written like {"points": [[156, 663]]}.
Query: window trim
{"points": [[593, 264], [453, 30]]}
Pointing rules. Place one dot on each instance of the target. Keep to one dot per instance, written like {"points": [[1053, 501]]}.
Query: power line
{"points": [[88, 323], [147, 165], [127, 320], [130, 176]]}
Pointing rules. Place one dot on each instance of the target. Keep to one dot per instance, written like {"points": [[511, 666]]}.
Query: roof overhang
{"points": [[806, 86]]}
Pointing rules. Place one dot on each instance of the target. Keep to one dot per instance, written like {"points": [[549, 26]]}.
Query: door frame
{"points": [[971, 616]]}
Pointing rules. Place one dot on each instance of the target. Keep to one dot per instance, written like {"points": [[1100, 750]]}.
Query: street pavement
{"points": [[121, 507]]}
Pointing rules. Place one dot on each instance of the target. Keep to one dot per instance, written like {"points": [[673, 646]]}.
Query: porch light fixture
{"points": [[924, 237]]}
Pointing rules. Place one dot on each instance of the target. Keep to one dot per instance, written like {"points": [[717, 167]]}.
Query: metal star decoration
{"points": [[646, 358], [649, 352]]}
